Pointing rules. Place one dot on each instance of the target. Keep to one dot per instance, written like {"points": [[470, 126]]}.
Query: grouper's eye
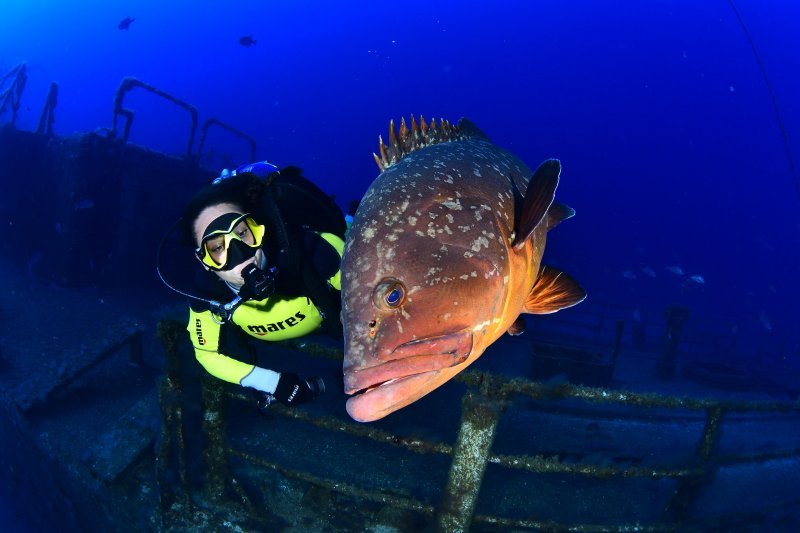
{"points": [[389, 294]]}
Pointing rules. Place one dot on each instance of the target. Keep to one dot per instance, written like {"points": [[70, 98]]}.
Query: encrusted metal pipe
{"points": [[479, 417], [217, 472], [676, 318], [689, 487], [171, 443]]}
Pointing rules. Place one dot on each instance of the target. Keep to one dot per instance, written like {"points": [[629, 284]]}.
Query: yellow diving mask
{"points": [[230, 240]]}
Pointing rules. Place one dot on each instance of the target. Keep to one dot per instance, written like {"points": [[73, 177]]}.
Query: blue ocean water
{"points": [[671, 150], [673, 155]]}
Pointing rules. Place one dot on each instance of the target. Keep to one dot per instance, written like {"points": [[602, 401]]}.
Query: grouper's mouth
{"points": [[415, 368]]}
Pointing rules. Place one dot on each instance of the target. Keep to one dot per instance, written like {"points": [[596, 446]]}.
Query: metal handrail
{"points": [[216, 122], [129, 83], [10, 98], [495, 388], [47, 118]]}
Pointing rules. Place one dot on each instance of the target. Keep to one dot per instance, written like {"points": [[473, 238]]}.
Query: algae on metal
{"points": [[479, 417]]}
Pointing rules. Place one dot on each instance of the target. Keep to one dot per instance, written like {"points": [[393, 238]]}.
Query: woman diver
{"points": [[269, 243]]}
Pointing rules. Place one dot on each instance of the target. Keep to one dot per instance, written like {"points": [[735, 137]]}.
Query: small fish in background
{"points": [[649, 272], [678, 271], [764, 319], [637, 316], [60, 229], [766, 245], [693, 282], [247, 41], [85, 203], [627, 274], [125, 23]]}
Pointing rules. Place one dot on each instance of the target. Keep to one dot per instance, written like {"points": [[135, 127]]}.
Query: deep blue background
{"points": [[671, 149]]}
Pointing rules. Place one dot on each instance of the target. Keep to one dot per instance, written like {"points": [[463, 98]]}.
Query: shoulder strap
{"points": [[302, 203]]}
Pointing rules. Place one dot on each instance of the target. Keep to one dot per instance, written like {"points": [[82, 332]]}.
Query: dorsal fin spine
{"points": [[418, 136]]}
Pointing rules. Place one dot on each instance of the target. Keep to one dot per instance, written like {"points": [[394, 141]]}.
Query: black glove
{"points": [[292, 390], [258, 284]]}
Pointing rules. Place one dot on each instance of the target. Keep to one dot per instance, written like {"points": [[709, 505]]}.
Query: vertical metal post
{"points": [[171, 443], [676, 318], [689, 487], [217, 474], [479, 417], [47, 117], [601, 322], [220, 485]]}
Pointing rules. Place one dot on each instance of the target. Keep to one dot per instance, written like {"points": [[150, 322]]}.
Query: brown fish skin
{"points": [[431, 275]]}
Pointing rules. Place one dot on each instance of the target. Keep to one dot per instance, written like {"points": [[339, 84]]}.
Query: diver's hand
{"points": [[292, 390]]}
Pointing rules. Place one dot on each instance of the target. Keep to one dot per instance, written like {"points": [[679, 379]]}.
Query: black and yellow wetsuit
{"points": [[302, 303]]}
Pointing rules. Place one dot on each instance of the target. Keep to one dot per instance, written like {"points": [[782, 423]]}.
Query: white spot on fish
{"points": [[412, 221], [477, 172], [477, 243], [449, 217], [367, 234], [468, 254], [454, 205], [481, 325]]}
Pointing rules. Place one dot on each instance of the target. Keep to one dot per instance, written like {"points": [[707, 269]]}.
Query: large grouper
{"points": [[443, 256]]}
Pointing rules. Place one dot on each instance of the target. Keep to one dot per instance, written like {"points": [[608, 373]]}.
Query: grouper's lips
{"points": [[411, 373]]}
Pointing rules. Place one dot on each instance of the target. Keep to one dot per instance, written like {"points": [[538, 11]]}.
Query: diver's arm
{"points": [[205, 333], [287, 388]]}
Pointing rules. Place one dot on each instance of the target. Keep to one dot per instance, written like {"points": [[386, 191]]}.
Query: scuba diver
{"points": [[268, 245]]}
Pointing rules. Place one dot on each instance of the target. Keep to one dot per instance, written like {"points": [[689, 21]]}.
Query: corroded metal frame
{"points": [[472, 453]]}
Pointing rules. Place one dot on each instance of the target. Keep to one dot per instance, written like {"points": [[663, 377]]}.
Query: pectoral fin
{"points": [[538, 197], [553, 291], [518, 327]]}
